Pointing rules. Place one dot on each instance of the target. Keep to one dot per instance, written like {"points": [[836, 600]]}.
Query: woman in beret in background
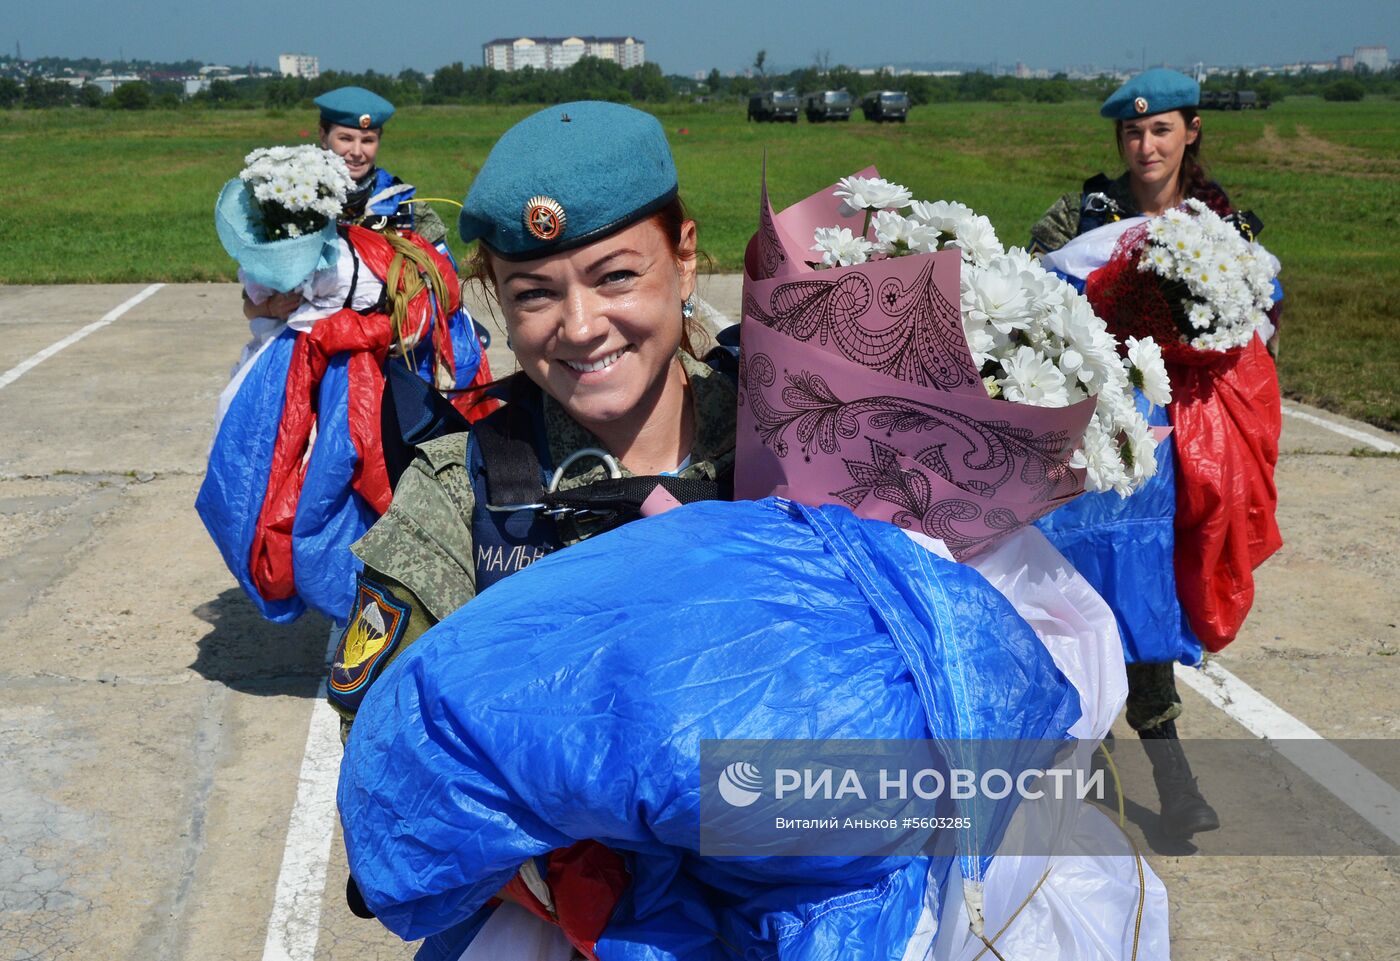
{"points": [[1125, 553], [1158, 133], [351, 126]]}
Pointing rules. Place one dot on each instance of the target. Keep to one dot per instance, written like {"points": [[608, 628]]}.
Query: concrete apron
{"points": [[154, 727]]}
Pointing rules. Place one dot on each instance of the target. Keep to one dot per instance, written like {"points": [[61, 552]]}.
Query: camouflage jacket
{"points": [[420, 557], [1061, 222], [1099, 202]]}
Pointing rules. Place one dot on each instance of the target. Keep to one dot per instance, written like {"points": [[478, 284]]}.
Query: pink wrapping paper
{"points": [[857, 387]]}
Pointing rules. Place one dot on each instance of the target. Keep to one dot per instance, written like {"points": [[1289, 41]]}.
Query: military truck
{"points": [[1232, 100], [886, 106], [822, 105], [773, 106]]}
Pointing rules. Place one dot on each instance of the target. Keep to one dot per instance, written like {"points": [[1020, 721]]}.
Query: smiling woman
{"points": [[583, 327], [584, 241]]}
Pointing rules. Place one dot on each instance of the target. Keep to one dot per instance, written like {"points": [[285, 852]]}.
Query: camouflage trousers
{"points": [[1152, 695]]}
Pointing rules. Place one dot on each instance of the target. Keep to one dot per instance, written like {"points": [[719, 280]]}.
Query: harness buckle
{"points": [[1101, 203]]}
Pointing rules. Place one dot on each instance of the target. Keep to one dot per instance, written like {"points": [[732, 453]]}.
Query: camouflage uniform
{"points": [[1062, 222], [420, 557]]}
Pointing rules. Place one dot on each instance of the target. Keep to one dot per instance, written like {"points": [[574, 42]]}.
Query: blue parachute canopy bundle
{"points": [[1124, 546], [570, 700]]}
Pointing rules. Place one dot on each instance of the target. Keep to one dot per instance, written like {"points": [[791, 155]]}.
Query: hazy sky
{"points": [[697, 35]]}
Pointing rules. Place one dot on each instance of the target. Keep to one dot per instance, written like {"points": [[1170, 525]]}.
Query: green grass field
{"points": [[100, 196]]}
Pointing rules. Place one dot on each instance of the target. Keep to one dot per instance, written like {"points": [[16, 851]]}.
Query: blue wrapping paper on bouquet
{"points": [[569, 701], [279, 264]]}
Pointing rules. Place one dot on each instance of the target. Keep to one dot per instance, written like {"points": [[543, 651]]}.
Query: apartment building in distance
{"points": [[560, 53], [1374, 59], [299, 65]]}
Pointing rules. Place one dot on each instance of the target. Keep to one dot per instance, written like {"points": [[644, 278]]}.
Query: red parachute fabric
{"points": [[1226, 413], [367, 339], [1226, 416], [585, 880]]}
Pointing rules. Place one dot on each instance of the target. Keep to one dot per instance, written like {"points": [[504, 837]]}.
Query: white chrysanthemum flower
{"points": [[1032, 379], [994, 295], [982, 342], [1200, 316], [841, 248], [858, 194], [1099, 458], [893, 233], [941, 215], [1147, 371], [977, 240]]}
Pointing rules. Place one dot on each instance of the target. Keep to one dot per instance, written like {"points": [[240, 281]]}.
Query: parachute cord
{"points": [[402, 285], [436, 200], [1117, 783]]}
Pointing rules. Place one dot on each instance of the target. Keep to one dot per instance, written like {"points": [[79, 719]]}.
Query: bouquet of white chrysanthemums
{"points": [[298, 189], [1219, 285], [1034, 338]]}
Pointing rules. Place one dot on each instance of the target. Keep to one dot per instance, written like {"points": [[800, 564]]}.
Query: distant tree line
{"points": [[589, 79], [1330, 84], [982, 86], [595, 79], [975, 86]]}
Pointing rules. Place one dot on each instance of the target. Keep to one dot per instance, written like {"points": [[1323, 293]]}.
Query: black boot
{"points": [[1184, 811]]}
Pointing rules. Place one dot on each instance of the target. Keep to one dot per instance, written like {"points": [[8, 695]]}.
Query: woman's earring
{"points": [[508, 343], [688, 308]]}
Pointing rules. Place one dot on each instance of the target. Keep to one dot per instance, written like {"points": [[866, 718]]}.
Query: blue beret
{"points": [[1154, 91], [567, 176], [354, 107]]}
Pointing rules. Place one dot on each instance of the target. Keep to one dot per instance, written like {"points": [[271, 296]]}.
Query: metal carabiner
{"points": [[1100, 203], [610, 462], [614, 472]]}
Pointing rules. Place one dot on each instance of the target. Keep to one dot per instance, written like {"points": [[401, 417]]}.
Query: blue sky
{"points": [[696, 35]]}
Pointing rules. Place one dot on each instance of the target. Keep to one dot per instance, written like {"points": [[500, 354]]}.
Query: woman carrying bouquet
{"points": [[1127, 548], [352, 127], [586, 246], [358, 334], [569, 705]]}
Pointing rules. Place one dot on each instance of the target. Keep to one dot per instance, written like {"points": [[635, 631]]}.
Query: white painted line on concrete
{"points": [[18, 371], [295, 924], [1331, 767], [1349, 432]]}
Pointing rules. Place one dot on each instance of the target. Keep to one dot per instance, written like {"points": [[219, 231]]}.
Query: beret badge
{"points": [[1140, 105], [544, 218], [364, 121]]}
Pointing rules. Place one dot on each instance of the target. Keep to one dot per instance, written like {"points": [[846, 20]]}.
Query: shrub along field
{"points": [[99, 196]]}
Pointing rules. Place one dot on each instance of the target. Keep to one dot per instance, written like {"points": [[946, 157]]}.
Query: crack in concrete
{"points": [[44, 679], [116, 477], [44, 562], [168, 923]]}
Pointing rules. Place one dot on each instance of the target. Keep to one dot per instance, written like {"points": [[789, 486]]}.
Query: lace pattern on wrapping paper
{"points": [[767, 246], [993, 449], [883, 478], [916, 335]]}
